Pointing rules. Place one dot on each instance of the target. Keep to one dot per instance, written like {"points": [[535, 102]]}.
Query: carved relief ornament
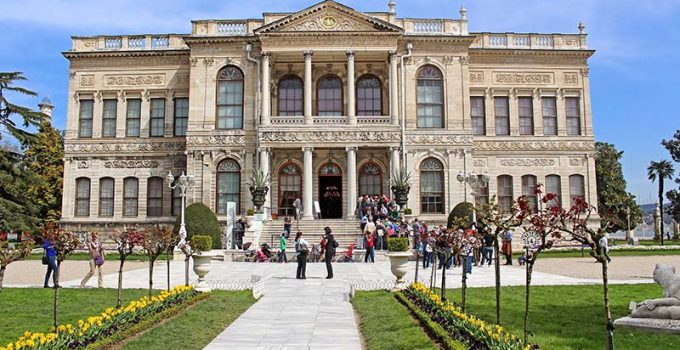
{"points": [[134, 79], [571, 78], [527, 162], [86, 80], [523, 78], [322, 136], [216, 140], [439, 139], [476, 77], [130, 164], [123, 147], [534, 145]]}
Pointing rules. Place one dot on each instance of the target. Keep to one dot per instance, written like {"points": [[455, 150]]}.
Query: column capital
{"points": [[395, 148], [308, 54], [264, 149], [351, 149], [308, 149], [393, 55], [266, 54], [350, 54]]}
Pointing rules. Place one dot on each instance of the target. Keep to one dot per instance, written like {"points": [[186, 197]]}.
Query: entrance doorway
{"points": [[330, 197]]}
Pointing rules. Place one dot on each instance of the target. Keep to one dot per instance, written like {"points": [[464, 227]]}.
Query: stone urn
{"points": [[202, 268], [399, 267], [401, 194], [259, 196]]}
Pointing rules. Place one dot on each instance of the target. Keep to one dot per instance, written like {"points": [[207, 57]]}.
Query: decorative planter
{"points": [[401, 194], [201, 268], [399, 267], [259, 196]]}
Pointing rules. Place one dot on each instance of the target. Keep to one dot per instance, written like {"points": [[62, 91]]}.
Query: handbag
{"points": [[99, 260], [45, 261]]}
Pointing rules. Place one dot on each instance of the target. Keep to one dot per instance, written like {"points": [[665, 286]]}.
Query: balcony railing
{"points": [[530, 41], [131, 42], [287, 120], [419, 26], [340, 120]]}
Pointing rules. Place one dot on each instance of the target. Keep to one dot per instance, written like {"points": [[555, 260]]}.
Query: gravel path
{"points": [[621, 268], [32, 272]]}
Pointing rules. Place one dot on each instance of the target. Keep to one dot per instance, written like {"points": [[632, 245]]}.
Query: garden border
{"points": [[434, 330]]}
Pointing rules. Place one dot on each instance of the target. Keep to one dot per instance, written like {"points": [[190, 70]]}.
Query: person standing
{"points": [[302, 249], [605, 247], [282, 246], [239, 230], [96, 261], [369, 248], [50, 260], [507, 246], [331, 245], [297, 204], [487, 251], [286, 226]]}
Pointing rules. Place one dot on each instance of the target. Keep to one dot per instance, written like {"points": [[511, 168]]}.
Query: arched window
{"points": [[369, 96], [329, 96], [106, 193], [228, 185], [154, 196], [370, 180], [130, 196], [430, 96], [505, 193], [82, 197], [529, 190], [230, 98], [290, 187], [553, 184], [431, 186], [577, 187], [290, 96]]}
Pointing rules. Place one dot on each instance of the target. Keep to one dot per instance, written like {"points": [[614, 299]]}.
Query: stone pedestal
{"points": [[649, 324]]}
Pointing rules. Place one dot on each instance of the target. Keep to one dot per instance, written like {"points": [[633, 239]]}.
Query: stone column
{"points": [[489, 109], [513, 111], [266, 89], [308, 202], [561, 114], [308, 88], [538, 113], [351, 181], [351, 92], [264, 166], [394, 88], [394, 161]]}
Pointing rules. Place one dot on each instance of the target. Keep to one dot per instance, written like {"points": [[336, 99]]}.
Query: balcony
{"points": [[129, 43], [418, 26], [530, 41], [340, 120]]}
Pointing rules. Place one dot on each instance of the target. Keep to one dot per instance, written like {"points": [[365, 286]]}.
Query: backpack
{"points": [[301, 248], [335, 244]]}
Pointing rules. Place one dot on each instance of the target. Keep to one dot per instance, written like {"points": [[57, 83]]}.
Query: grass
{"points": [[387, 325], [569, 317], [30, 309], [109, 257], [197, 326], [578, 254]]}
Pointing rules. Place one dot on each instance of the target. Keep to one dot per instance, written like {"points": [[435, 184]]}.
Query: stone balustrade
{"points": [[129, 43], [530, 41], [417, 26], [236, 27], [342, 120]]}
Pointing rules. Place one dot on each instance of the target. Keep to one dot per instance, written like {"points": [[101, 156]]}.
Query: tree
{"points": [[17, 213], [9, 110], [673, 147], [200, 220], [612, 197], [493, 221], [126, 241], [44, 159], [65, 244], [157, 240], [9, 254], [660, 170]]}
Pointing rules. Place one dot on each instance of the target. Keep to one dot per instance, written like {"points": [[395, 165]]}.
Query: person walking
{"points": [[239, 230], [507, 246], [369, 248], [331, 245], [282, 246], [50, 260], [487, 251], [96, 261], [605, 247], [302, 249], [297, 204], [286, 226]]}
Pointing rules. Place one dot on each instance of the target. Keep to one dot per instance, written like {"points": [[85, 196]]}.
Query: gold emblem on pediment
{"points": [[329, 22]]}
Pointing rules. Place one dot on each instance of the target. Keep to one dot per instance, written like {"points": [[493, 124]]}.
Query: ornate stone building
{"points": [[328, 101]]}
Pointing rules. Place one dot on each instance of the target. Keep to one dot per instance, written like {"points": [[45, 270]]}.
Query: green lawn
{"points": [[30, 309], [197, 326], [569, 317], [386, 324], [109, 257], [577, 253]]}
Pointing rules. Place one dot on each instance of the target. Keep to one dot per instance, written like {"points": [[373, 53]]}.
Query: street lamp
{"points": [[184, 183], [477, 183]]}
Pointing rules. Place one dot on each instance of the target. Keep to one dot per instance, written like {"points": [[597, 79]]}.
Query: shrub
{"points": [[200, 220], [408, 211], [250, 212], [462, 212], [201, 243], [397, 244]]}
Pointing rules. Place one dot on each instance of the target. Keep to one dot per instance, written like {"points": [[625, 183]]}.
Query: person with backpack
{"points": [[302, 249], [331, 245], [96, 261]]}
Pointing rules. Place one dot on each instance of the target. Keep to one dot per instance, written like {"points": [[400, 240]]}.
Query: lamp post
{"points": [[185, 182], [477, 183]]}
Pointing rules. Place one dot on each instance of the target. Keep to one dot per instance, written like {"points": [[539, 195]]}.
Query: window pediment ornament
{"points": [[230, 73], [330, 170], [229, 166], [290, 169], [432, 164], [370, 169], [430, 72]]}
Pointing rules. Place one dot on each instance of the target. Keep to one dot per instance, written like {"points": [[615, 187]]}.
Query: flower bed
{"points": [[475, 333], [85, 332]]}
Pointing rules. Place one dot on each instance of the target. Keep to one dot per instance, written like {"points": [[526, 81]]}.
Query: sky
{"points": [[633, 74]]}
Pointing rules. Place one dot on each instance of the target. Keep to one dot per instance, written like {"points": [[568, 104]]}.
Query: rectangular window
{"points": [[181, 116], [502, 115], [478, 115], [154, 197], [134, 112], [85, 118], [230, 104], [82, 197], [430, 104], [529, 190], [109, 118], [157, 117], [573, 116], [482, 195], [553, 185], [549, 116], [106, 193], [577, 188], [130, 196], [505, 193], [526, 115]]}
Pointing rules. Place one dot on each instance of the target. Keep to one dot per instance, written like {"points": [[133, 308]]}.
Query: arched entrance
{"points": [[330, 191], [290, 188]]}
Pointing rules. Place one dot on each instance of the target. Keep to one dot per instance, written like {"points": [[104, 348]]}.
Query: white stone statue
{"points": [[666, 308]]}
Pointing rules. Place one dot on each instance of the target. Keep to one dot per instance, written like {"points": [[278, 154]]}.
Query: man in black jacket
{"points": [[331, 244]]}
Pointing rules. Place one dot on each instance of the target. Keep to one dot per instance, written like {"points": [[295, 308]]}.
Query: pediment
{"points": [[328, 16]]}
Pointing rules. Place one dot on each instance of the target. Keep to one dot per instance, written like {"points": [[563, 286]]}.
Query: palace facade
{"points": [[328, 101]]}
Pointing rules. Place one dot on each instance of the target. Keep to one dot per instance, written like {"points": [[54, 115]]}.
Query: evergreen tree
{"points": [[673, 147], [44, 158], [9, 110], [17, 213], [612, 197]]}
